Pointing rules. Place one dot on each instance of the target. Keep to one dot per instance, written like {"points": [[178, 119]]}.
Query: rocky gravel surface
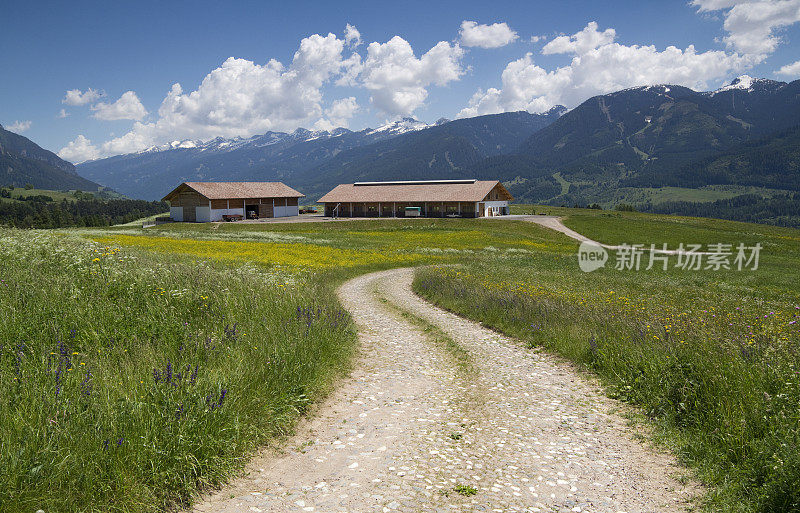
{"points": [[416, 429]]}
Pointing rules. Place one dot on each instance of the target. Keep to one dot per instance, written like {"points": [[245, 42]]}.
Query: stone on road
{"points": [[413, 430]]}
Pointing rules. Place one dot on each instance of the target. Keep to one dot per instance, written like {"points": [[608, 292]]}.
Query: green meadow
{"points": [[709, 357], [142, 366]]}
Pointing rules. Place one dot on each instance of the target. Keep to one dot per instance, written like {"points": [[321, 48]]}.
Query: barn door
{"points": [[190, 214], [265, 210]]}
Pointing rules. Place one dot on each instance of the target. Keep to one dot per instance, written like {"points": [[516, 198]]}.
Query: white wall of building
{"points": [[203, 214], [286, 211], [217, 213], [495, 208], [176, 213]]}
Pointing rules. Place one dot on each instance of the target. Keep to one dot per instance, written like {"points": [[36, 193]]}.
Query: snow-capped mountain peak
{"points": [[222, 144], [400, 127], [658, 89], [559, 110], [744, 82], [183, 144], [750, 84], [174, 145]]}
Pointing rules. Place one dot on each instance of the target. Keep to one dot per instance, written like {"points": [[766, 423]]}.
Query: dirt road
{"points": [[478, 423]]}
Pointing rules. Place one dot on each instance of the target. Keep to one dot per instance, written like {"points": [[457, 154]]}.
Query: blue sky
{"points": [[410, 58]]}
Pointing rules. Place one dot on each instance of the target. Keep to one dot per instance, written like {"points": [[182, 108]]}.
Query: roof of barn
{"points": [[413, 191], [238, 190]]}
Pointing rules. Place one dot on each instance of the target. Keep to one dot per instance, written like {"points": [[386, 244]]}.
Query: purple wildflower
{"points": [[86, 384]]}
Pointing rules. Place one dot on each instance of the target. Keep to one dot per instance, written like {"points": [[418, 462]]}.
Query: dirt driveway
{"points": [[454, 418]]}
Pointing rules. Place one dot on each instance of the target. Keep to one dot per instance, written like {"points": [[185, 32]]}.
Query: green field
{"points": [[610, 197], [636, 196], [710, 357], [129, 382], [20, 194]]}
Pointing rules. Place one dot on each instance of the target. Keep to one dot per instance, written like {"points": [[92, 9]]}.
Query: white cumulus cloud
{"points": [[790, 71], [242, 98], [341, 111], [598, 66], [75, 97], [352, 36], [79, 150], [398, 80], [338, 114], [19, 126], [753, 25], [63, 114], [585, 40], [127, 106], [486, 36]]}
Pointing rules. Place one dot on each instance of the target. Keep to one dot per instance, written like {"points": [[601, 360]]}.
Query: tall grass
{"points": [[132, 380], [712, 363]]}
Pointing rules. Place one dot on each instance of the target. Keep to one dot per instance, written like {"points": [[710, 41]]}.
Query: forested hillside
{"points": [[772, 161], [41, 210], [449, 150], [23, 162], [782, 210]]}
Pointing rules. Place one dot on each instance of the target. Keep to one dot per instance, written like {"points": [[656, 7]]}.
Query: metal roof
{"points": [[416, 182], [413, 192], [239, 190]]}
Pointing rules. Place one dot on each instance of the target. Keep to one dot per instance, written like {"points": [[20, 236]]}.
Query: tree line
{"points": [[83, 212], [780, 210]]}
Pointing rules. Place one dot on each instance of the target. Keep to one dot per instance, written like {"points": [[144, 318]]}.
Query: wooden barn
{"points": [[202, 202], [426, 198]]}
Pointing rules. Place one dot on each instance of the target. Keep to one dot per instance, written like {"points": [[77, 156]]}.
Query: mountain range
{"points": [[606, 149], [651, 145], [23, 162], [656, 136], [315, 161]]}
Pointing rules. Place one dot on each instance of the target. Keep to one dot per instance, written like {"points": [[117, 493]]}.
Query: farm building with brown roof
{"points": [[427, 198], [213, 201]]}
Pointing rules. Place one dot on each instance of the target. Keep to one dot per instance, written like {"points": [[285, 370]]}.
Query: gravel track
{"points": [[522, 429]]}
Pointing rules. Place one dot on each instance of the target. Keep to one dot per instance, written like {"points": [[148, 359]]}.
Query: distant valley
{"points": [[314, 162], [657, 148]]}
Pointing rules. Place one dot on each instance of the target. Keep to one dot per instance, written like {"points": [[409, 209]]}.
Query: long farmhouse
{"points": [[426, 198], [202, 202]]}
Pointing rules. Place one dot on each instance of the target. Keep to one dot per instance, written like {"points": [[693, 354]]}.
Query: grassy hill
{"points": [[708, 357], [43, 208], [23, 194]]}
